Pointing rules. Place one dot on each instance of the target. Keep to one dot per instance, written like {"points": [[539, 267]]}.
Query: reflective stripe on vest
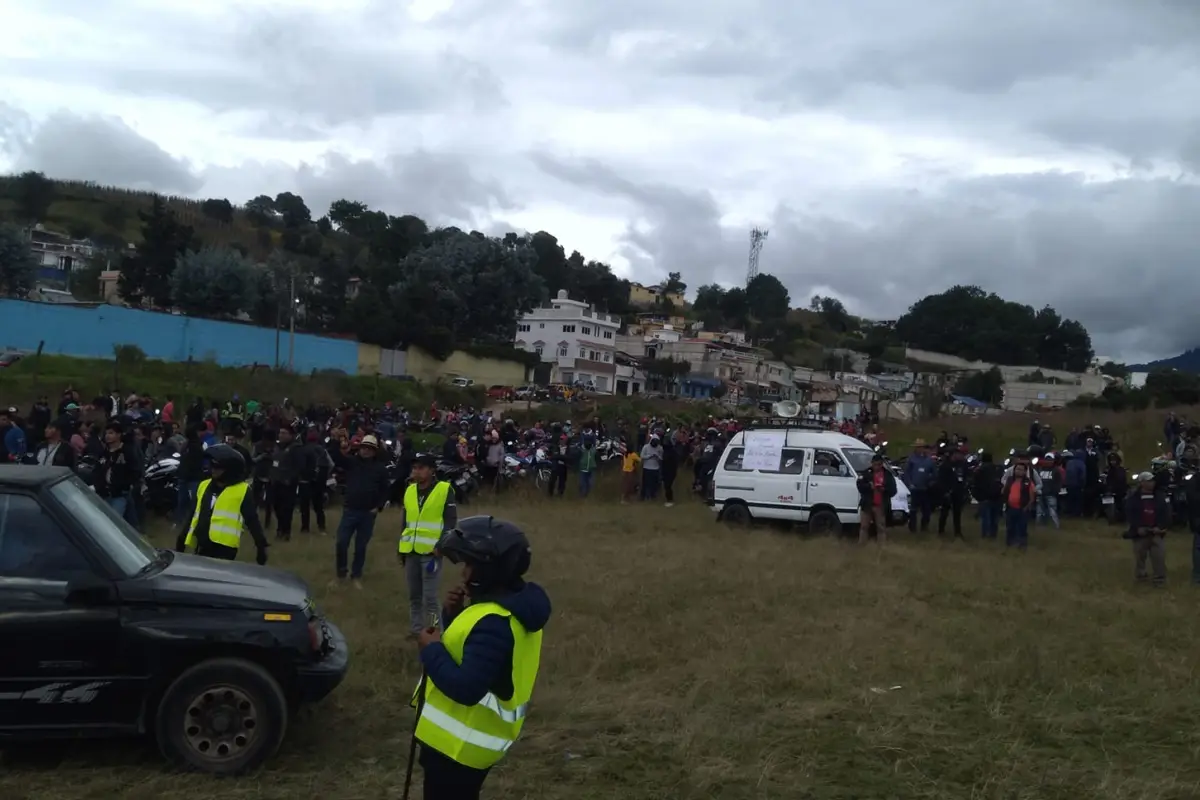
{"points": [[423, 524], [226, 524], [478, 736]]}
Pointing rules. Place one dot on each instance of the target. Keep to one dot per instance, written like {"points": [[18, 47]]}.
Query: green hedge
{"points": [[21, 383]]}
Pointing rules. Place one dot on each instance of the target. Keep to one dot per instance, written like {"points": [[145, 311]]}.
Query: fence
{"points": [[93, 331]]}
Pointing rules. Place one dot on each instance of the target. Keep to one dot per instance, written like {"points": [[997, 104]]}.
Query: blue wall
{"points": [[92, 333]]}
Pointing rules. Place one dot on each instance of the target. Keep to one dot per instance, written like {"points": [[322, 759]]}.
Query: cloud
{"points": [[1041, 150], [100, 149]]}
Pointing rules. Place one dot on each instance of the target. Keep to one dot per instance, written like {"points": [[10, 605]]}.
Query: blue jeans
{"points": [[1047, 507], [185, 501], [1016, 527], [586, 481], [119, 504], [989, 519], [359, 526]]}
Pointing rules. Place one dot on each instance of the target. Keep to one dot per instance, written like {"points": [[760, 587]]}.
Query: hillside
{"points": [[109, 215], [1184, 362], [385, 279]]}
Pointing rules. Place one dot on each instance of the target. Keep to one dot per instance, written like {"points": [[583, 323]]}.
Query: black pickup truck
{"points": [[103, 635]]}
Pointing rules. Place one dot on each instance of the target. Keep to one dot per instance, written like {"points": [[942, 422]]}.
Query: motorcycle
{"points": [[160, 484], [464, 478]]}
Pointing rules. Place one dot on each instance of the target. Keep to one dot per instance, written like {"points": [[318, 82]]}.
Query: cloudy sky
{"points": [[1044, 150]]}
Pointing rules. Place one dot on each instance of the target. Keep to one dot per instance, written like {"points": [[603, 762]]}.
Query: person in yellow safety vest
{"points": [[429, 511], [225, 508], [480, 673]]}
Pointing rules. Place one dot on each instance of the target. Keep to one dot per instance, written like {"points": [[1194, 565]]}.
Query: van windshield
{"points": [[859, 457]]}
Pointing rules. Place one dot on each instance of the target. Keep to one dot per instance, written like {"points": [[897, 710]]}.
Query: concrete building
{"points": [[646, 296], [576, 343], [58, 256]]}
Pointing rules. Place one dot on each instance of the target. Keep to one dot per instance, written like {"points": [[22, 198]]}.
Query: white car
{"points": [[463, 383], [814, 479]]}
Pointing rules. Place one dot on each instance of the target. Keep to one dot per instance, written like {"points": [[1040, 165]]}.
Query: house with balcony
{"points": [[58, 256], [576, 343]]}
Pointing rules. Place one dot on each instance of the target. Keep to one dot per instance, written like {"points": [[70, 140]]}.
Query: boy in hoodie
{"points": [[479, 675]]}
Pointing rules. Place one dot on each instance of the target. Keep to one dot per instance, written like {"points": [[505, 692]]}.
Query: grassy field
{"points": [[686, 660]]}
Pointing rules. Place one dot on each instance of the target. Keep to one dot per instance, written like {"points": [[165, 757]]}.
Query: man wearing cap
{"points": [[367, 488], [1148, 516], [429, 512]]}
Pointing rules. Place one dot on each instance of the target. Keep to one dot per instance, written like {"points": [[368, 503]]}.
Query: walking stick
{"points": [[434, 620]]}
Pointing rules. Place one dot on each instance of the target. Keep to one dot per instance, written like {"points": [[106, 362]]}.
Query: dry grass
{"points": [[686, 660]]}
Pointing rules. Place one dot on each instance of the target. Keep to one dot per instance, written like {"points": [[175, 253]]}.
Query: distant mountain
{"points": [[1184, 362]]}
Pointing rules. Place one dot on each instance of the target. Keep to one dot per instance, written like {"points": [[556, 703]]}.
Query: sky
{"points": [[1047, 151]]}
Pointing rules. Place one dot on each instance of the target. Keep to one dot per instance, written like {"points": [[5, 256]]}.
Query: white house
{"points": [[575, 341]]}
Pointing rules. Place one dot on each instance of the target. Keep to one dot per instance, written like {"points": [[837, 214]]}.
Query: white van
{"points": [[815, 480]]}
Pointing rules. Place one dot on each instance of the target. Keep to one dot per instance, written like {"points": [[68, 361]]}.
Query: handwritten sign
{"points": [[764, 449]]}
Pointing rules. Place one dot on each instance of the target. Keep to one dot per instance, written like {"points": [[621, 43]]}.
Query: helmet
{"points": [[496, 549], [228, 459]]}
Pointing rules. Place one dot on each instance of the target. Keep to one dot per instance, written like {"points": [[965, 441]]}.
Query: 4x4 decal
{"points": [[58, 693]]}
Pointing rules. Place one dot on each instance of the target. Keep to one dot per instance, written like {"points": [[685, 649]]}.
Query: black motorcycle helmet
{"points": [[226, 458], [496, 549]]}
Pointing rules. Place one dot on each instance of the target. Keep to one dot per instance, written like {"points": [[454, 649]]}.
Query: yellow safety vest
{"points": [[423, 524], [226, 525], [478, 736]]}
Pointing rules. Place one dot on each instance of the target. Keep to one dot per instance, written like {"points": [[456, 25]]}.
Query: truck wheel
{"points": [[224, 717], [735, 514], [825, 523]]}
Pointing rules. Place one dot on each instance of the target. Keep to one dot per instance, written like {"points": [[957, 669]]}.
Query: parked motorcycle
{"points": [[160, 485]]}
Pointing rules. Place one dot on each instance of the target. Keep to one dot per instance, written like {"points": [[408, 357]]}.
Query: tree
{"points": [[461, 288], [767, 298], [347, 215], [292, 210], [114, 216], [220, 210], [968, 322], [1114, 370], [146, 273], [213, 282], [18, 265], [325, 300], [261, 211], [674, 284], [33, 193], [985, 386], [835, 316]]}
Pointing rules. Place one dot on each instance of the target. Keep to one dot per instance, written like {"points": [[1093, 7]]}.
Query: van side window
{"points": [[791, 462], [734, 462], [827, 463]]}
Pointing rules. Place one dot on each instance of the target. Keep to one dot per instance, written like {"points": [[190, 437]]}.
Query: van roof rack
{"points": [[788, 423]]}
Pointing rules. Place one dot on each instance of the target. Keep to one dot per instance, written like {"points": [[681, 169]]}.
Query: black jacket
{"points": [[291, 464], [64, 456], [952, 478], [116, 472], [866, 490], [200, 526], [367, 482]]}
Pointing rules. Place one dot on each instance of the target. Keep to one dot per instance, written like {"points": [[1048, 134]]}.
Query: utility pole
{"points": [[292, 331]]}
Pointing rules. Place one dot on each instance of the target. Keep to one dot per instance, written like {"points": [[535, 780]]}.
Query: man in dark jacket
{"points": [[985, 487], [228, 481], [876, 488], [1148, 516], [290, 462], [952, 484], [116, 469], [189, 474], [55, 452], [367, 487]]}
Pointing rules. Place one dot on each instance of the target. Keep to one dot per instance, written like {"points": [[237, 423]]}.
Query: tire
{"points": [[736, 514], [825, 523], [221, 704]]}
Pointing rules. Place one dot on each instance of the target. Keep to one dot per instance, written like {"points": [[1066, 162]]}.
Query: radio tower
{"points": [[757, 237]]}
